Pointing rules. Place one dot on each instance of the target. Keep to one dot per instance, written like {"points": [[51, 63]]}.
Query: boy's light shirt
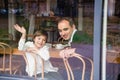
{"points": [[42, 53], [69, 43]]}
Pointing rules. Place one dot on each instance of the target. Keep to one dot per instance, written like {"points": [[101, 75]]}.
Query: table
{"points": [[15, 51], [54, 53], [113, 56], [113, 62]]}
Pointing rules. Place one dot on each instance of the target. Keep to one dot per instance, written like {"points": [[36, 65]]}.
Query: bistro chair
{"points": [[69, 70], [35, 73], [6, 38], [62, 41], [6, 59]]}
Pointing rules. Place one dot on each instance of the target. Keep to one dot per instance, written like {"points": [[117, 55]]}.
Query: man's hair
{"points": [[71, 22]]}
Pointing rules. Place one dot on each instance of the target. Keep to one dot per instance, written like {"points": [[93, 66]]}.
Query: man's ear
{"points": [[74, 27]]}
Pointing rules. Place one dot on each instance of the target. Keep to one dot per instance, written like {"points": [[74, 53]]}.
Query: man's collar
{"points": [[72, 37]]}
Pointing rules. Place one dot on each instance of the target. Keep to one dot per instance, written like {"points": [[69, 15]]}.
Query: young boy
{"points": [[37, 48]]}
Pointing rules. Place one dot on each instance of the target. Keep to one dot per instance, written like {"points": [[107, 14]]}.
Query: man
{"points": [[68, 31]]}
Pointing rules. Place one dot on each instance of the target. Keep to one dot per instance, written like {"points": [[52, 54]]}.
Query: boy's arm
{"points": [[22, 30], [21, 42]]}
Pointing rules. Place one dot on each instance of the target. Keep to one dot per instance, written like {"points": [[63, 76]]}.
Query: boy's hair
{"points": [[71, 22], [40, 33]]}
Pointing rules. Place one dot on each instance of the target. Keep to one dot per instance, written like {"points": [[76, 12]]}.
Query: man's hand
{"points": [[67, 52]]}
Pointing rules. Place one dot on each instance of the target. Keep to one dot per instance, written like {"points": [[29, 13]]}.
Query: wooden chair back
{"points": [[62, 41], [35, 74], [6, 37], [6, 59], [70, 73]]}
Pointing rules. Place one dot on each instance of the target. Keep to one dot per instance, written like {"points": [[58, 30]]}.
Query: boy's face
{"points": [[65, 30], [39, 41]]}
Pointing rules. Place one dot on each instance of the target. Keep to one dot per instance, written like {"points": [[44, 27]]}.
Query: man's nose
{"points": [[62, 33]]}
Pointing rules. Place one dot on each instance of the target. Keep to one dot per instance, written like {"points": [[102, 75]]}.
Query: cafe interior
{"points": [[97, 60]]}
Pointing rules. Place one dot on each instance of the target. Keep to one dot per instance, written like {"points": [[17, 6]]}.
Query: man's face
{"points": [[65, 30]]}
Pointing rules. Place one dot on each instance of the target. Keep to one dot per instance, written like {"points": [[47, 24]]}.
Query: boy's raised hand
{"points": [[20, 29]]}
